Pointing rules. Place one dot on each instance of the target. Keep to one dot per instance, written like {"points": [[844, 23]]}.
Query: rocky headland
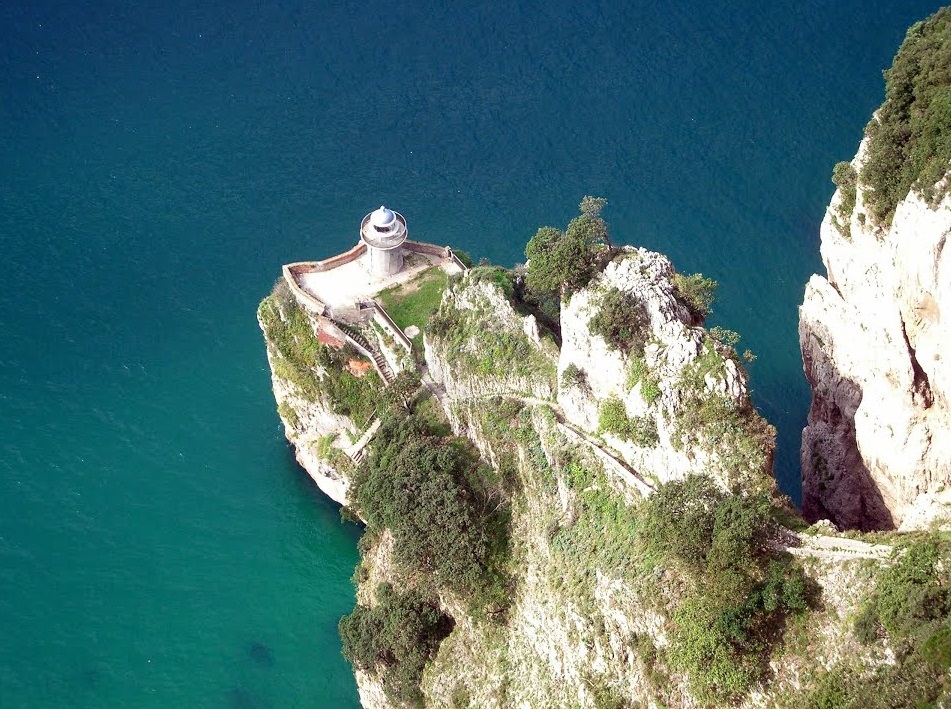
{"points": [[567, 492], [525, 489]]}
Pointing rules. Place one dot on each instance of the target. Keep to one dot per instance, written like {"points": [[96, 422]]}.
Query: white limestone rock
{"points": [[874, 335], [674, 344]]}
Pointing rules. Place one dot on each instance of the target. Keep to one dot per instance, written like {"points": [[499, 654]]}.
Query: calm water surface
{"points": [[158, 545]]}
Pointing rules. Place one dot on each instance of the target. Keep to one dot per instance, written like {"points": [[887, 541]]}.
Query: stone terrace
{"points": [[352, 282]]}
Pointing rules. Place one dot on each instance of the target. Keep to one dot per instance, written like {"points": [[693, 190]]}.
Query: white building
{"points": [[384, 231]]}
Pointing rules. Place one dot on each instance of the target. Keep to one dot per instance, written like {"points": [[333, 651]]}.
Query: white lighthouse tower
{"points": [[384, 231]]}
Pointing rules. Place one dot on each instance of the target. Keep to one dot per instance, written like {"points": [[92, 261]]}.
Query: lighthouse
{"points": [[384, 231]]}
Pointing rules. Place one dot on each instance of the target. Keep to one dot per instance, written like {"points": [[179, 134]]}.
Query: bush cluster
{"points": [[640, 430], [844, 177], [910, 135], [911, 607], [622, 321], [574, 377], [395, 637], [911, 599], [742, 590], [639, 373], [696, 293], [449, 521], [414, 484]]}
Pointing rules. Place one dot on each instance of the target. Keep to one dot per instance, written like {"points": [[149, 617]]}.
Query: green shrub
{"points": [[396, 638], [912, 594], [704, 644], [289, 414], [696, 293], [612, 417], [831, 692], [640, 430], [936, 650], [742, 591], [574, 377], [724, 336], [622, 321], [427, 491], [464, 257], [639, 373], [844, 177], [910, 135], [867, 625]]}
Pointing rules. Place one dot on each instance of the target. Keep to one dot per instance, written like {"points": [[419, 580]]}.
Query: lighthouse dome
{"points": [[382, 219]]}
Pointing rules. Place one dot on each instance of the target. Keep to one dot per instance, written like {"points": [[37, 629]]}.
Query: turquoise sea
{"points": [[159, 161]]}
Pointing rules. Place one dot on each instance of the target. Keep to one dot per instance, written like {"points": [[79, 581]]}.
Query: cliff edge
{"points": [[875, 330], [572, 504]]}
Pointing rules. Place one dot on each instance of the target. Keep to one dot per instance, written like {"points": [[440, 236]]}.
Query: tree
{"points": [[400, 392], [564, 262], [396, 637]]}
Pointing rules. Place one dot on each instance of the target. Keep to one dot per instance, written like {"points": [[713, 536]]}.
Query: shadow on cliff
{"points": [[836, 483]]}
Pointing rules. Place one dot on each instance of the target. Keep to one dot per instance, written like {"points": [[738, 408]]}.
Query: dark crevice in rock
{"points": [[921, 387]]}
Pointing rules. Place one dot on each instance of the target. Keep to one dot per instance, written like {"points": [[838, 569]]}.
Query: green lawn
{"points": [[414, 302]]}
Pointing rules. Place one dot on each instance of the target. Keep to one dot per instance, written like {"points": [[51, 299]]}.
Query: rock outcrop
{"points": [[589, 620], [485, 348], [875, 335], [682, 371]]}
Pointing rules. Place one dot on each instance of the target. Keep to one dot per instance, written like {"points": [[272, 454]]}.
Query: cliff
{"points": [[683, 390], [582, 520], [874, 331]]}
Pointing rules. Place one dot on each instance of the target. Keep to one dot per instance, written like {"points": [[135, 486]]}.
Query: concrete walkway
{"points": [[353, 282], [838, 548], [614, 462], [356, 450]]}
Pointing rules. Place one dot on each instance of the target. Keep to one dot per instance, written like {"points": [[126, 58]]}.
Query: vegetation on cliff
{"points": [[696, 292], [743, 439], [741, 589], [475, 345], [562, 262], [910, 610], [526, 563], [395, 637], [316, 370], [622, 321], [429, 491], [910, 135], [448, 517]]}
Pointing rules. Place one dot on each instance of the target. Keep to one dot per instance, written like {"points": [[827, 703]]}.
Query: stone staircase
{"points": [[378, 359]]}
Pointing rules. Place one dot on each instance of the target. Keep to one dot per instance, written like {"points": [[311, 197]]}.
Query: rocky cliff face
{"points": [[484, 348], [590, 618], [875, 335], [686, 385]]}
